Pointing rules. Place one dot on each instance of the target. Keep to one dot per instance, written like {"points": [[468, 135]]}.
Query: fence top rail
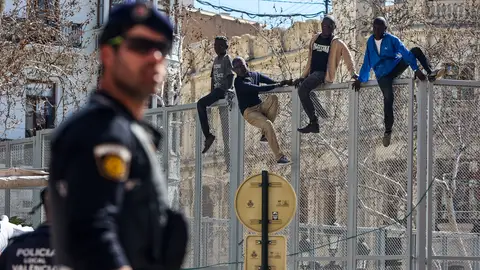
{"points": [[466, 83], [281, 90]]}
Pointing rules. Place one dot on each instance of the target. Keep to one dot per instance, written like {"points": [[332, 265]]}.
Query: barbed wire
{"points": [[255, 15], [333, 242]]}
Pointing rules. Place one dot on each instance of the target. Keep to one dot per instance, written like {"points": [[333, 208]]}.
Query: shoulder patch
{"points": [[113, 161]]}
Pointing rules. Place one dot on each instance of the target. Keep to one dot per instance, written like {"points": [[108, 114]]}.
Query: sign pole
{"points": [[264, 220]]}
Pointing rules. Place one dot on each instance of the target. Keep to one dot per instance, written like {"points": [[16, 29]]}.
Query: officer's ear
{"points": [[107, 56]]}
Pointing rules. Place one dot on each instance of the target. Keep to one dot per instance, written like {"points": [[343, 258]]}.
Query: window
{"points": [[44, 8], [27, 204], [74, 34], [40, 107], [100, 9]]}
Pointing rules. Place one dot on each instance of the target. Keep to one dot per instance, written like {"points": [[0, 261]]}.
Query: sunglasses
{"points": [[142, 45]]}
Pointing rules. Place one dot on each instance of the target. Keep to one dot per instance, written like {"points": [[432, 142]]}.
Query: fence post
{"points": [[421, 174], [410, 165], [430, 160], [295, 181], [197, 205], [37, 164], [236, 146], [352, 179]]}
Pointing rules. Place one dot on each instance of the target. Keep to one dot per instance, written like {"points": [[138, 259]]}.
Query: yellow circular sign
{"points": [[282, 203]]}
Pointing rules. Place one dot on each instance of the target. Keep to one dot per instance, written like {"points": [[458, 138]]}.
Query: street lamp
{"points": [[334, 233]]}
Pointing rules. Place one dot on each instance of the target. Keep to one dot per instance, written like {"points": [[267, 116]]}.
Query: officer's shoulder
{"points": [[20, 238], [94, 123]]}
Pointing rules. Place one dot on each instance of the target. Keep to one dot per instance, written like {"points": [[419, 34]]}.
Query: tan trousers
{"points": [[262, 116]]}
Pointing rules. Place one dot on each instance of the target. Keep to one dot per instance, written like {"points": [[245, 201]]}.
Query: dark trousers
{"points": [[386, 85], [308, 98], [202, 105]]}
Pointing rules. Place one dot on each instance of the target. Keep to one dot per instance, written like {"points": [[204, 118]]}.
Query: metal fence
{"points": [[412, 205]]}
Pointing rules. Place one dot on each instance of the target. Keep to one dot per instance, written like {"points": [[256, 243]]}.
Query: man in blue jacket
{"points": [[389, 58], [258, 113]]}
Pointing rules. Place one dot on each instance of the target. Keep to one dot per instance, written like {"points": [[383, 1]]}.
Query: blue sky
{"points": [[267, 7]]}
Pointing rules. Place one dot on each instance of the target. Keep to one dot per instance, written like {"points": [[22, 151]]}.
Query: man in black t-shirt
{"points": [[326, 50]]}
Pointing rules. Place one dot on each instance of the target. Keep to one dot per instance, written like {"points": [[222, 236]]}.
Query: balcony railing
{"points": [[452, 10]]}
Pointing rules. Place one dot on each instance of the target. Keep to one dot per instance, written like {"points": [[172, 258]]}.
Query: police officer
{"points": [[31, 250], [109, 197]]}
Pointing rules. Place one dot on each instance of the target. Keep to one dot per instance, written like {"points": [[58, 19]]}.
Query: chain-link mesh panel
{"points": [[21, 153], [258, 156], [460, 264], [382, 174], [382, 265], [4, 162], [216, 191], [156, 120], [46, 139], [455, 200], [322, 197], [21, 203], [181, 168], [2, 201]]}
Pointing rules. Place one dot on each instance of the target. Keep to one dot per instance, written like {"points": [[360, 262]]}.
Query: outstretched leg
{"points": [[432, 74], [256, 118], [386, 85], [311, 82], [269, 108]]}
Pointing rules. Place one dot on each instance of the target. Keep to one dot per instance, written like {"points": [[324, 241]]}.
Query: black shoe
{"points": [[312, 127], [436, 74], [263, 139], [208, 143], [283, 161], [386, 138]]}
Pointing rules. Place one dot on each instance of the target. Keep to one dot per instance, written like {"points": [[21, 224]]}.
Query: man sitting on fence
{"points": [[221, 83], [383, 55], [257, 113], [326, 50]]}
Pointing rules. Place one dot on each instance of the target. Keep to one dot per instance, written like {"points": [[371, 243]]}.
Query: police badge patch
{"points": [[113, 161], [141, 12]]}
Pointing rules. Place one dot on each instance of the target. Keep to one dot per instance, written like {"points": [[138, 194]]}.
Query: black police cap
{"points": [[125, 16]]}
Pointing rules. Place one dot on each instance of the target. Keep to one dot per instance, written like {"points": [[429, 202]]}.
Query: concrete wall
{"points": [[213, 25]]}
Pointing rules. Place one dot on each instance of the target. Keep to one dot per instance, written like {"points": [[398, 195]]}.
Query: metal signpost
{"points": [[265, 203]]}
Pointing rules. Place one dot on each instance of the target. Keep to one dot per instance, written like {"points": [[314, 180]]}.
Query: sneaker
{"points": [[208, 143], [436, 74], [312, 127], [386, 138], [263, 139], [283, 161]]}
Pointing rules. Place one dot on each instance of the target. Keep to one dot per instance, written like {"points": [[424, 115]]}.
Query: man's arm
{"points": [[365, 69], [348, 59], [309, 61], [242, 86], [265, 79], [95, 177], [212, 84], [228, 71], [406, 54]]}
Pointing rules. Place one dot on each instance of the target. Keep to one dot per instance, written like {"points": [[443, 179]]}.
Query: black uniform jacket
{"points": [[109, 196], [29, 250]]}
